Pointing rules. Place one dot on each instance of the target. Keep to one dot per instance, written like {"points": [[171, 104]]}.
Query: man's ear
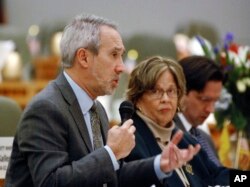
{"points": [[82, 57]]}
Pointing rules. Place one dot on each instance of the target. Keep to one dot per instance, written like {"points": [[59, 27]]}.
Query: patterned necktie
{"points": [[96, 129], [205, 145]]}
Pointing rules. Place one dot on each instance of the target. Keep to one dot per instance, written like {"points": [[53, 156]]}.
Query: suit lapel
{"points": [[178, 123], [80, 122], [74, 109], [150, 142]]}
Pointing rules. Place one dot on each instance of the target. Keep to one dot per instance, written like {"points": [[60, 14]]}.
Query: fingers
{"points": [[173, 157], [132, 129], [181, 159], [197, 148], [184, 155], [121, 139], [190, 152], [177, 137], [171, 154], [194, 149], [129, 126]]}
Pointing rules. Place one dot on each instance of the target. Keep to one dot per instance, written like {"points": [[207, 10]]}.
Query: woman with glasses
{"points": [[156, 88]]}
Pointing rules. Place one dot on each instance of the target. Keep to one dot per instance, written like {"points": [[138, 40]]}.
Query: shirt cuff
{"points": [[159, 173], [113, 158]]}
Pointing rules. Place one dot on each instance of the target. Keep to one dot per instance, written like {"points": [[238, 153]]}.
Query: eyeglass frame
{"points": [[205, 99], [159, 93]]}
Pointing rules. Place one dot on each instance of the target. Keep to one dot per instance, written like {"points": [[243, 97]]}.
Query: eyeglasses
{"points": [[159, 93], [206, 99]]}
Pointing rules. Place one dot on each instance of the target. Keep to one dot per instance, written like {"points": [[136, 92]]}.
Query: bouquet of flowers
{"points": [[234, 59]]}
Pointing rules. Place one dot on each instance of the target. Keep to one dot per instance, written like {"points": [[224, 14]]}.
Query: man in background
{"points": [[204, 82]]}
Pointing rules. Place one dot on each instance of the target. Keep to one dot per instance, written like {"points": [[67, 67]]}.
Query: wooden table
{"points": [[21, 91], [1, 182]]}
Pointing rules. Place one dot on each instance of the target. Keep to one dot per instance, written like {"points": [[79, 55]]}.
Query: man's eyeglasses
{"points": [[206, 99], [159, 93]]}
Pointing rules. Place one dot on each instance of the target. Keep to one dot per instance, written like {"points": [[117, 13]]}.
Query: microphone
{"points": [[126, 111]]}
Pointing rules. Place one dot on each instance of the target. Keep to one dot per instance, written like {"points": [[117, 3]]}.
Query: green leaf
{"points": [[237, 118]]}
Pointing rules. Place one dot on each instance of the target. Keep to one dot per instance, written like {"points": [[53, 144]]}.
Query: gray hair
{"points": [[82, 32]]}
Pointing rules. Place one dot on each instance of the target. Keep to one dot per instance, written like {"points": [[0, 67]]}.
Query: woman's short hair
{"points": [[146, 74]]}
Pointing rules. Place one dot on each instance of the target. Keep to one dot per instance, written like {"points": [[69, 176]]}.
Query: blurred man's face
{"points": [[198, 105]]}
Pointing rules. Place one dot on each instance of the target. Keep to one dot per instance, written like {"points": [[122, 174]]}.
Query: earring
{"points": [[178, 109], [139, 108]]}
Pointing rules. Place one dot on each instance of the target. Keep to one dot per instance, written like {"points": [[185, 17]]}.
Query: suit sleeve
{"points": [[209, 140], [44, 142], [138, 173], [141, 154]]}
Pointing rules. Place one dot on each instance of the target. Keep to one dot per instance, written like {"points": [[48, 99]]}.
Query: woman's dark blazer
{"points": [[200, 171]]}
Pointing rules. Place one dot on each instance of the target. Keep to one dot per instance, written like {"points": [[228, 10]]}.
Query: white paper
{"points": [[5, 151]]}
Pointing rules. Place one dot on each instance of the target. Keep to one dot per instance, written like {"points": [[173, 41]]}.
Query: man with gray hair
{"points": [[63, 138]]}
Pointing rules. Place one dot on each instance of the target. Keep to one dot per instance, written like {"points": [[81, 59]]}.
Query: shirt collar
{"points": [[83, 98], [184, 121]]}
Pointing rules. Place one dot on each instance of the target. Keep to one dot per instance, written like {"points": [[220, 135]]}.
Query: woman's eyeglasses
{"points": [[159, 93]]}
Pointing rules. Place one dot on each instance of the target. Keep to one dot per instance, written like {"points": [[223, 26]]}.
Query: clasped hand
{"points": [[121, 139]]}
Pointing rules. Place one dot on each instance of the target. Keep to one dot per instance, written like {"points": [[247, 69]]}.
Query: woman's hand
{"points": [[172, 157]]}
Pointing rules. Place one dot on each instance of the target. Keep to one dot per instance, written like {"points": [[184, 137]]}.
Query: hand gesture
{"points": [[172, 157]]}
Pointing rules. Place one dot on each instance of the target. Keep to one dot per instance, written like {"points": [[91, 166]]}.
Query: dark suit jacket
{"points": [[52, 146], [200, 171], [203, 134]]}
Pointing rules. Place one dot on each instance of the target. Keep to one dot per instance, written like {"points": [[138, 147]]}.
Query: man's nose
{"points": [[120, 67], [210, 107]]}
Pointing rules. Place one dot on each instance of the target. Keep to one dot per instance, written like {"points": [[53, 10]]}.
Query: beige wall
{"points": [[160, 17]]}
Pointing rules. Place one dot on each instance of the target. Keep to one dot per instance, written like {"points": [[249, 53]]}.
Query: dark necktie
{"points": [[96, 128], [205, 145]]}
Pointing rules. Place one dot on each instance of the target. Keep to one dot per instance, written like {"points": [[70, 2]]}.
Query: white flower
{"points": [[224, 100], [247, 64], [241, 86], [242, 52], [239, 58], [247, 81], [234, 56], [195, 47]]}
